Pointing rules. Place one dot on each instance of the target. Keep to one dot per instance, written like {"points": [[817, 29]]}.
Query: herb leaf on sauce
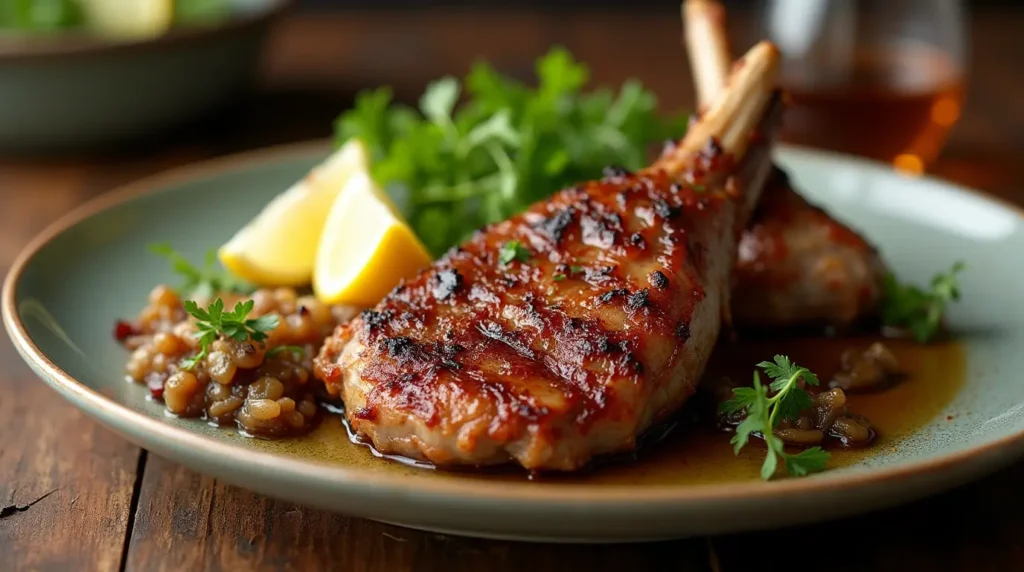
{"points": [[764, 413], [920, 311]]}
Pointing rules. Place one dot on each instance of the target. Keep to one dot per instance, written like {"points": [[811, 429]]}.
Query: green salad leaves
{"points": [[453, 168]]}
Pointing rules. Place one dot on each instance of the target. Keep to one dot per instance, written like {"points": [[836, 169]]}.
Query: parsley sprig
{"points": [[513, 250], [764, 413], [453, 168], [920, 311], [213, 322], [205, 282]]}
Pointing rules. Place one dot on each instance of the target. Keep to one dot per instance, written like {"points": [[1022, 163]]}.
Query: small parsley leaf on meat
{"points": [[513, 250]]}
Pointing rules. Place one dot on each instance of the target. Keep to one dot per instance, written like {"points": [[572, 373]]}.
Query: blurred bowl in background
{"points": [[72, 90]]}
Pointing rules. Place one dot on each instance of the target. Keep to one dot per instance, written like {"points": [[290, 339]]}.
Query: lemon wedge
{"points": [[366, 248], [278, 247], [130, 19]]}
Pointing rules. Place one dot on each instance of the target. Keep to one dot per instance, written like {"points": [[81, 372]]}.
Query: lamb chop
{"points": [[566, 331], [797, 266]]}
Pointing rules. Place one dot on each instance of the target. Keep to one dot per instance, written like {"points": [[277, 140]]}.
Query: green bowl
{"points": [[69, 92]]}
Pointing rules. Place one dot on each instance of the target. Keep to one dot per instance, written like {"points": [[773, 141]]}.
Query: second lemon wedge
{"points": [[278, 247], [366, 248]]}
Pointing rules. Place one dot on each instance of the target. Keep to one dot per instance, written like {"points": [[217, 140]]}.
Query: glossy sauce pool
{"points": [[691, 454]]}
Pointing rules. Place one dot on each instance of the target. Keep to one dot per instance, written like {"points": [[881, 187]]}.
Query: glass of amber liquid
{"points": [[882, 79]]}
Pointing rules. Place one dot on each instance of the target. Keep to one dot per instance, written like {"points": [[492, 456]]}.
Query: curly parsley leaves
{"points": [[205, 282], [454, 168], [513, 250], [764, 413], [920, 311], [213, 322]]}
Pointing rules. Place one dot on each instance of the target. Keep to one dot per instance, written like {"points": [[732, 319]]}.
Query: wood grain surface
{"points": [[73, 496]]}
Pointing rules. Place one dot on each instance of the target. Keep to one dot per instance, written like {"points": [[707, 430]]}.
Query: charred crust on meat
{"points": [[400, 348], [658, 279], [447, 283], [638, 300], [446, 353], [373, 320], [683, 331], [611, 295], [665, 210], [554, 226], [494, 331], [630, 361]]}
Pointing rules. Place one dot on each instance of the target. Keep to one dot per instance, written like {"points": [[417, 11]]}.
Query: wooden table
{"points": [[73, 496]]}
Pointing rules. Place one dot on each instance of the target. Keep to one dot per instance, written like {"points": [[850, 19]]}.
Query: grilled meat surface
{"points": [[798, 266], [599, 327]]}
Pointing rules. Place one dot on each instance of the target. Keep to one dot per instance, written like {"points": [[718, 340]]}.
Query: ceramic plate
{"points": [[90, 268]]}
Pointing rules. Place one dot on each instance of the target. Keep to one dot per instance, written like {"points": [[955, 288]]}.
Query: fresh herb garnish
{"points": [[558, 277], [455, 168], [908, 306], [214, 321], [205, 282], [513, 250], [296, 350], [764, 413]]}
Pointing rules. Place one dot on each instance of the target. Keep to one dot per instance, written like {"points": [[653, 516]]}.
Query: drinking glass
{"points": [[877, 78]]}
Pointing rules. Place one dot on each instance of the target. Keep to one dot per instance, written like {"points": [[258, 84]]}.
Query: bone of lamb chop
{"points": [[566, 331], [797, 265]]}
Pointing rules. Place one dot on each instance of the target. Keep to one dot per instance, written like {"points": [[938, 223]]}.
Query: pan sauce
{"points": [[695, 453]]}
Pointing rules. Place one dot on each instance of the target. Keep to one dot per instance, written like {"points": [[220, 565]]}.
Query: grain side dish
{"points": [[265, 388]]}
